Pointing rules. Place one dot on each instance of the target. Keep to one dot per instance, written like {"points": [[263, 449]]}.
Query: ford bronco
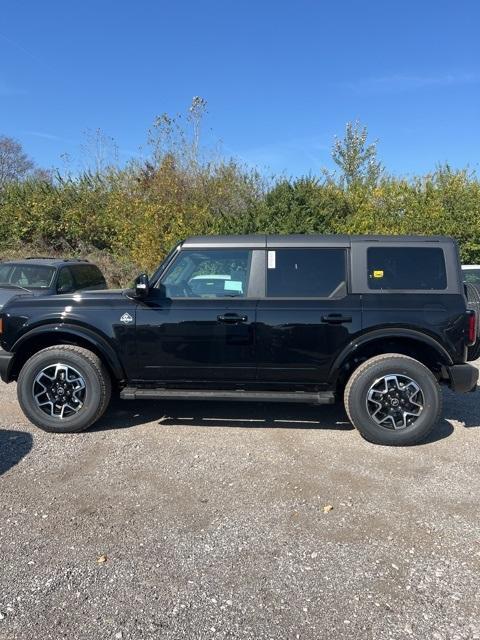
{"points": [[378, 321]]}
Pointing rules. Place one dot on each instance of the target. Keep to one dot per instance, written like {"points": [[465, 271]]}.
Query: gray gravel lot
{"points": [[210, 520]]}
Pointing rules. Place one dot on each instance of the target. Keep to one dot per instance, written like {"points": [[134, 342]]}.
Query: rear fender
{"points": [[377, 336]]}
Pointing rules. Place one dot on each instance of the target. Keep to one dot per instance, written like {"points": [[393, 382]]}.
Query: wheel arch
{"points": [[409, 342], [51, 335]]}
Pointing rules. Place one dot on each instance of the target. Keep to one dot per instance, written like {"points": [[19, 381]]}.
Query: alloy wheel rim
{"points": [[395, 401], [59, 391]]}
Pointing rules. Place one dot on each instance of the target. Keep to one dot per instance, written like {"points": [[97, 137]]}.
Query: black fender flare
{"points": [[97, 341], [392, 332]]}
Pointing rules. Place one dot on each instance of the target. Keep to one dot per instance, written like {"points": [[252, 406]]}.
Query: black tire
{"points": [[359, 410], [95, 394]]}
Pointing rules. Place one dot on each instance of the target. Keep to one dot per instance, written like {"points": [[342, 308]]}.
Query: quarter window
{"points": [[418, 268], [208, 274], [305, 273], [87, 276]]}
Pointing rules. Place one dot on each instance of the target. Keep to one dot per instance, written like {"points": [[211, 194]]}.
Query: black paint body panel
{"points": [[183, 339], [295, 345], [279, 343]]}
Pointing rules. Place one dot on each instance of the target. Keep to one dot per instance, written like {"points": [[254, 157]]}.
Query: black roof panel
{"points": [[255, 241], [258, 241]]}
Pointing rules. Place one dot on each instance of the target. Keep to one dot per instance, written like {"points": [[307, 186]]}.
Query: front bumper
{"points": [[6, 361], [463, 377]]}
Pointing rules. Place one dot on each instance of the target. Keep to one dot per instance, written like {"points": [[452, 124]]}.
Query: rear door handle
{"points": [[232, 318], [336, 318]]}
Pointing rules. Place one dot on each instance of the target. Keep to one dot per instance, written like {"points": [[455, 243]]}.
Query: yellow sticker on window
{"points": [[378, 273]]}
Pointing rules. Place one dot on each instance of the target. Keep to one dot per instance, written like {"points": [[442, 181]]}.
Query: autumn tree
{"points": [[99, 151], [356, 159], [15, 165]]}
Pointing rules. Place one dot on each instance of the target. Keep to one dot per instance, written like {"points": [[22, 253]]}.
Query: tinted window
{"points": [[65, 282], [208, 274], [29, 276], [406, 268], [305, 273], [87, 276], [471, 275]]}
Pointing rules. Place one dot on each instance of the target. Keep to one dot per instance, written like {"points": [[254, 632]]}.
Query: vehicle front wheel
{"points": [[393, 399], [64, 388]]}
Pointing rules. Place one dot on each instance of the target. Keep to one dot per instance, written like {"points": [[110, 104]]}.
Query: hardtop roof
{"points": [[258, 241]]}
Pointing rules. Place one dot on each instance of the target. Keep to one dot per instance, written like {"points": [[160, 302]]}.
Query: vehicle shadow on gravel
{"points": [[14, 445], [123, 414], [465, 408]]}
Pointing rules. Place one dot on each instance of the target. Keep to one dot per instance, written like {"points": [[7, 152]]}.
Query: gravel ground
{"points": [[184, 520]]}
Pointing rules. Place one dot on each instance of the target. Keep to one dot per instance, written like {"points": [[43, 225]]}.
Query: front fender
{"points": [[97, 341]]}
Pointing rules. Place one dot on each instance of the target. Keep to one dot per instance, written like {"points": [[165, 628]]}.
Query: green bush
{"points": [[128, 219]]}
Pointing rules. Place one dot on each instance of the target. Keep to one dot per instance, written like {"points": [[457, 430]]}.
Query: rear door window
{"points": [[415, 268], [306, 273]]}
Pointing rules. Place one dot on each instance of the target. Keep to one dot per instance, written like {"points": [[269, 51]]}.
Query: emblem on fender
{"points": [[126, 318]]}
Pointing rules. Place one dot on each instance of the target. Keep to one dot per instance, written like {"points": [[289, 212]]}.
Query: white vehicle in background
{"points": [[471, 278], [471, 273]]}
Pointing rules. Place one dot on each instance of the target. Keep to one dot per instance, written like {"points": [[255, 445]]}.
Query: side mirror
{"points": [[65, 288], [142, 286]]}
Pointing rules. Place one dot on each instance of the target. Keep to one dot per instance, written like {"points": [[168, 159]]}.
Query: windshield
{"points": [[163, 264], [471, 275], [28, 276]]}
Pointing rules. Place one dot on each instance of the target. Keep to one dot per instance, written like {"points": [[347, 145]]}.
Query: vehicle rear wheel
{"points": [[64, 388], [393, 399]]}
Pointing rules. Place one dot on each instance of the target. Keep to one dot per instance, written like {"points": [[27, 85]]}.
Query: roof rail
{"points": [[57, 259]]}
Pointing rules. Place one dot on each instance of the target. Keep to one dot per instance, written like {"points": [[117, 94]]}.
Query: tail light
{"points": [[472, 327]]}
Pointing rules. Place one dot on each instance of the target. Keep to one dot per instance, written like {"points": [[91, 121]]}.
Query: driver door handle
{"points": [[336, 318], [232, 318]]}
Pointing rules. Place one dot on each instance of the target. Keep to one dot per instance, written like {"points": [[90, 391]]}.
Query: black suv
{"points": [[47, 277], [380, 321]]}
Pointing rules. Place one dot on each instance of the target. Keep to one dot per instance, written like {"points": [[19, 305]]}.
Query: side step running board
{"points": [[136, 393]]}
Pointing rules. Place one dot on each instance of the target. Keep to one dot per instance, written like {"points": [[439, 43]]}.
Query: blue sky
{"points": [[281, 77]]}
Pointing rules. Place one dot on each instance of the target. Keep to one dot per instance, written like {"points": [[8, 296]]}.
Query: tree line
{"points": [[128, 217]]}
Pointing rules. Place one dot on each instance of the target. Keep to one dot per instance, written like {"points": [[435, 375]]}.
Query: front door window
{"points": [[208, 274]]}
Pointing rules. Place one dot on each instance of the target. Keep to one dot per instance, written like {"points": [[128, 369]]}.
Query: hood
{"points": [[92, 294], [8, 293], [15, 298]]}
